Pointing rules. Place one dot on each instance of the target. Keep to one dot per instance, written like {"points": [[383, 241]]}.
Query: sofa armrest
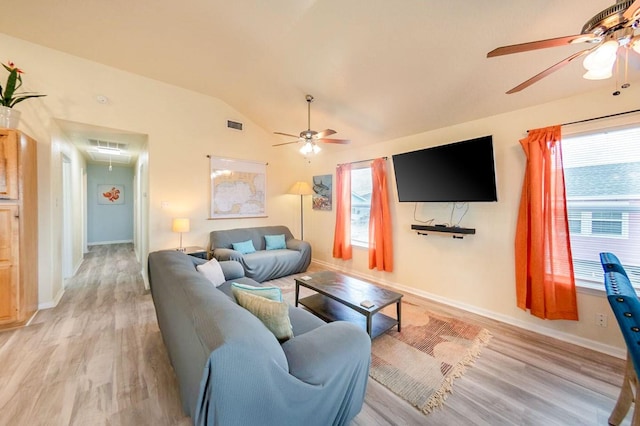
{"points": [[232, 269], [298, 245], [227, 254], [316, 356]]}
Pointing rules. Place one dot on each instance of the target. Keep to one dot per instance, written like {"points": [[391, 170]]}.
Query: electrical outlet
{"points": [[601, 320]]}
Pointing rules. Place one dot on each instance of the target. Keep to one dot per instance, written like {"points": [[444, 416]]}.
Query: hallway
{"points": [[95, 359]]}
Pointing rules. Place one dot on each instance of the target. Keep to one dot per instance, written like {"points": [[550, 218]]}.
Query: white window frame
{"points": [[596, 287], [586, 224], [358, 242]]}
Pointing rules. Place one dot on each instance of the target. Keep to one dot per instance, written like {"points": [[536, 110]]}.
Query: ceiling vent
{"points": [[109, 145], [234, 125], [106, 158]]}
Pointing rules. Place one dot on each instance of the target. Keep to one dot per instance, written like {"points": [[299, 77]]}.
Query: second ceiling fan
{"points": [[610, 29], [311, 137]]}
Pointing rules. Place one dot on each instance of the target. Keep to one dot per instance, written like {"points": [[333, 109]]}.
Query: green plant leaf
{"points": [[22, 98], [9, 97], [11, 85]]}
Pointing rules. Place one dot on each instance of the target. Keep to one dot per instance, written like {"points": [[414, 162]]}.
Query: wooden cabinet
{"points": [[9, 165], [18, 228]]}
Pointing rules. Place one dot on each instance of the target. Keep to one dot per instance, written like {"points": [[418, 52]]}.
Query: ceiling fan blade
{"points": [[549, 70], [540, 44], [286, 134], [286, 143], [341, 141], [631, 10], [325, 133]]}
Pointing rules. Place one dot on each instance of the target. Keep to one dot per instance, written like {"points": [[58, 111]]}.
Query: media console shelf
{"points": [[458, 233]]}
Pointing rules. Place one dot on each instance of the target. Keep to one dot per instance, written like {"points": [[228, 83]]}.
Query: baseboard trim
{"points": [[102, 243], [545, 331], [53, 303]]}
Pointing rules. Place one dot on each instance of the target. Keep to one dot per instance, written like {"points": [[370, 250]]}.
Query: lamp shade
{"points": [[180, 225], [301, 188]]}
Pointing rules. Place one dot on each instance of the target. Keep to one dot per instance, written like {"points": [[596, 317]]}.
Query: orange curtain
{"points": [[342, 236], [380, 244], [544, 270]]}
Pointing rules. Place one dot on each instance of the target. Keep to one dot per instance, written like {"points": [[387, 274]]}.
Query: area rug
{"points": [[420, 363]]}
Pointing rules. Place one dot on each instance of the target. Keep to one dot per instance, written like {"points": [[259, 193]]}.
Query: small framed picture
{"points": [[322, 187], [110, 194]]}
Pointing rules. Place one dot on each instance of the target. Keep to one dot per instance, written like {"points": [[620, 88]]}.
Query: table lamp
{"points": [[180, 225]]}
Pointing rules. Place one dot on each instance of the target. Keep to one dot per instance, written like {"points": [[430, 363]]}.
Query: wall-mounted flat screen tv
{"points": [[457, 172]]}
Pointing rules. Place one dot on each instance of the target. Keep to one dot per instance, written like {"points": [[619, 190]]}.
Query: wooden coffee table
{"points": [[338, 297]]}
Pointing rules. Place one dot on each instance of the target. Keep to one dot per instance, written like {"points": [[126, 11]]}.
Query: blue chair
{"points": [[610, 262], [626, 308]]}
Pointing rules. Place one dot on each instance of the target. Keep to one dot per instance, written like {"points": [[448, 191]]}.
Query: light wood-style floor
{"points": [[98, 359]]}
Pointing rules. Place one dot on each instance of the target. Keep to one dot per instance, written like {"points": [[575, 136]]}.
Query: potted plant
{"points": [[9, 97]]}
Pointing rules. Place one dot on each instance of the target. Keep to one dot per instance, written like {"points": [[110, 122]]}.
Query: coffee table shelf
{"points": [[330, 310], [339, 297]]}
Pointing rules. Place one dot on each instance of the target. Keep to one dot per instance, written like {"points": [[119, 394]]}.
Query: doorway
{"points": [[67, 221]]}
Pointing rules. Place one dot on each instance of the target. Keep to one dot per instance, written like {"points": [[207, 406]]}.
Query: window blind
{"points": [[602, 179]]}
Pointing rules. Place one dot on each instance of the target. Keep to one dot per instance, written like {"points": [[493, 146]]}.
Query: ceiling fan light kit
{"points": [[310, 138], [612, 29], [599, 63], [310, 148]]}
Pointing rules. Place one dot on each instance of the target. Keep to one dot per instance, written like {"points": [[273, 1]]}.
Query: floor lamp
{"points": [[301, 189]]}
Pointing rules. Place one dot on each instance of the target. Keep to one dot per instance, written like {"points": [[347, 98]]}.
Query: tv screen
{"points": [[457, 172]]}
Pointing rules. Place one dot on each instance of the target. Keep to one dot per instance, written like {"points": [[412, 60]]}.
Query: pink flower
{"points": [[12, 66]]}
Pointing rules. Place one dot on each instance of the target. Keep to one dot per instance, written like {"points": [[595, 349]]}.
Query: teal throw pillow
{"points": [[271, 293], [275, 242], [244, 247]]}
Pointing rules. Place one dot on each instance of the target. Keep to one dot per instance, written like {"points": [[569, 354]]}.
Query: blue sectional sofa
{"points": [[263, 264], [232, 370]]}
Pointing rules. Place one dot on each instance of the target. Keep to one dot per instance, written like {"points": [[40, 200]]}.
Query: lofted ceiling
{"points": [[378, 69]]}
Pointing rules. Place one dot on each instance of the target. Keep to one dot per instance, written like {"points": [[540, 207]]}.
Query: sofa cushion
{"points": [[275, 242], [274, 315], [244, 247], [212, 271], [271, 293]]}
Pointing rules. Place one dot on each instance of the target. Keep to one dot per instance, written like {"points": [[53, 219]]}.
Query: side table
{"points": [[196, 251]]}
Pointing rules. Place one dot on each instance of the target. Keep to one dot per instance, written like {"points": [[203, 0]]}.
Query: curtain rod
{"points": [[361, 161], [586, 120]]}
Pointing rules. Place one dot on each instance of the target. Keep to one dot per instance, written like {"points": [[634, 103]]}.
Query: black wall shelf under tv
{"points": [[457, 231]]}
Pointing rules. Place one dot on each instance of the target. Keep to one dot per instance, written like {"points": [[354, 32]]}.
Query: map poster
{"points": [[321, 199], [238, 188]]}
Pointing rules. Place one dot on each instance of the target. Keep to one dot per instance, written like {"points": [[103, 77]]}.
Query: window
{"points": [[610, 223], [360, 205], [602, 178]]}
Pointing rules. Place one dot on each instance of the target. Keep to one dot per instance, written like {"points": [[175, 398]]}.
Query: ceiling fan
{"points": [[612, 28], [311, 137]]}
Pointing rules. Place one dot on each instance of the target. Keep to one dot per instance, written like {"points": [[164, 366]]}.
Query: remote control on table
{"points": [[367, 304]]}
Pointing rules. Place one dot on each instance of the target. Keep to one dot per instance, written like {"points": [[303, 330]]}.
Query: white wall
{"points": [[50, 206], [109, 223], [477, 272], [182, 128]]}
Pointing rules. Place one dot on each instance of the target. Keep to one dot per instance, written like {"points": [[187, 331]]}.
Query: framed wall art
{"points": [[238, 188], [322, 188], [110, 194]]}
